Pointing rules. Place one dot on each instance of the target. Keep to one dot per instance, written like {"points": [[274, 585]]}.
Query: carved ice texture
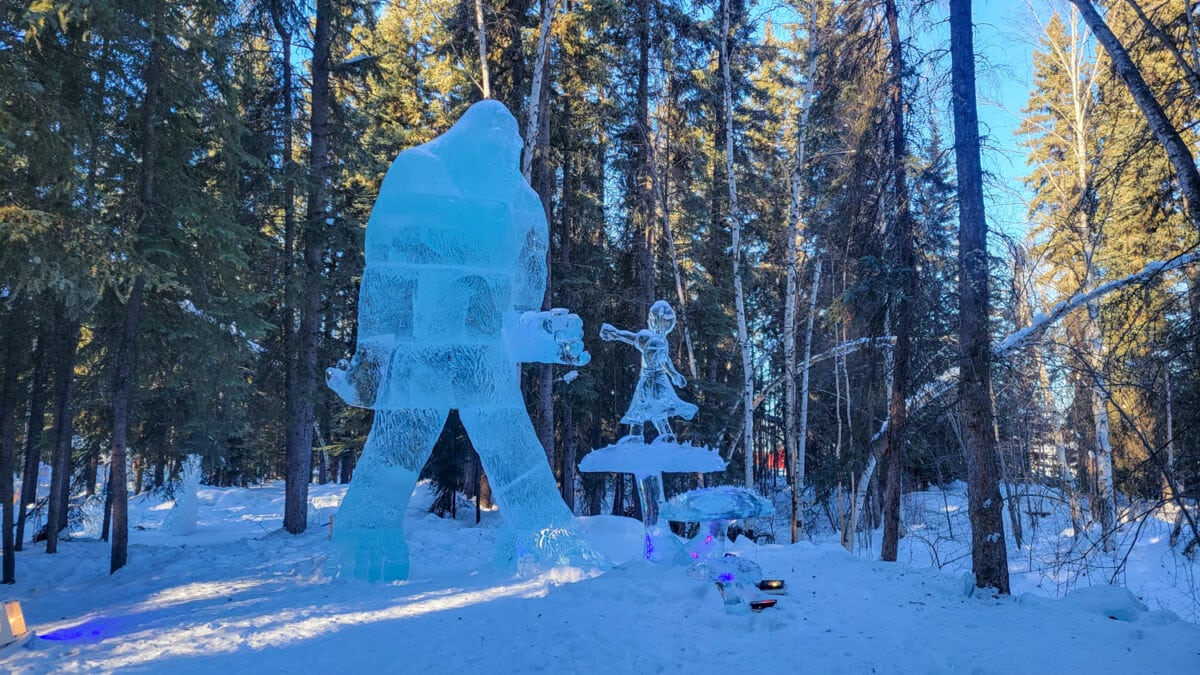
{"points": [[654, 399], [181, 519], [455, 275]]}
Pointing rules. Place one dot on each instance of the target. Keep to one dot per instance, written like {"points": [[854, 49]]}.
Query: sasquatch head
{"points": [[662, 318], [490, 131]]}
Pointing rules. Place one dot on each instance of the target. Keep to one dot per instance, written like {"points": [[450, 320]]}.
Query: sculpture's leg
{"points": [[368, 535], [664, 430], [637, 434], [537, 522]]}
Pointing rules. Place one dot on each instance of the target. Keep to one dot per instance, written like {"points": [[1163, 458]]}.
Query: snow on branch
{"points": [[852, 346], [839, 350], [1033, 331], [191, 308], [928, 392], [1022, 338]]}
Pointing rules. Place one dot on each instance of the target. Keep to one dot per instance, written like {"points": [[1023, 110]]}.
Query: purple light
{"points": [[649, 546], [725, 577]]}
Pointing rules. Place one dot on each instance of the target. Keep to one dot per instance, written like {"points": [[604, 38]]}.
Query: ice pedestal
{"points": [[647, 463]]}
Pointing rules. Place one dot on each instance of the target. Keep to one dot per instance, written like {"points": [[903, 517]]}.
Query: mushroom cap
{"points": [[725, 502]]}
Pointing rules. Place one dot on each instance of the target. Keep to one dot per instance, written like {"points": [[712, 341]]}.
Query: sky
{"points": [[1005, 33]]}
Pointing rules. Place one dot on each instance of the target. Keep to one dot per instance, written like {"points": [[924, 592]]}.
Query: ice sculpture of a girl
{"points": [[654, 399]]}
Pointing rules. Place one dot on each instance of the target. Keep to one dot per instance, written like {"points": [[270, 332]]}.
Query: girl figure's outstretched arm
{"points": [[608, 333]]}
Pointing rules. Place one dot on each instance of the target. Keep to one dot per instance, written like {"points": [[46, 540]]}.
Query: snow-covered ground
{"points": [[240, 595]]}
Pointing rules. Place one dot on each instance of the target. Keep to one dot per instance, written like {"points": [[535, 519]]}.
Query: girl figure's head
{"points": [[662, 318]]}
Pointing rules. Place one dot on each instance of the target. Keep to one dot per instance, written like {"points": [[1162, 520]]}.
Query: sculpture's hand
{"points": [[555, 336], [358, 381], [568, 333], [678, 381], [608, 332]]}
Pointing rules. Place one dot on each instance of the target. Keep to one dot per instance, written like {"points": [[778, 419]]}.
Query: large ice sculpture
{"points": [[654, 399], [455, 275]]}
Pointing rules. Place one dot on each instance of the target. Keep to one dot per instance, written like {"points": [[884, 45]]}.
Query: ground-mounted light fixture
{"points": [[12, 626], [773, 586]]}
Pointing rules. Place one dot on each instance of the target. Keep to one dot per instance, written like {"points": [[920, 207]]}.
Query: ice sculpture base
{"points": [[647, 463], [531, 551], [369, 554]]}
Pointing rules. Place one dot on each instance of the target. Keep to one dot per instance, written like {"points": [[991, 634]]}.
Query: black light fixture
{"points": [[774, 586]]}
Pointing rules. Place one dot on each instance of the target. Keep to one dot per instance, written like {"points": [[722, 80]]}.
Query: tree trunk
{"points": [[1060, 452], [1177, 151], [905, 266], [1105, 506], [733, 220], [569, 462], [537, 103], [8, 434], [304, 389], [287, 310], [798, 453], [105, 529], [33, 434], [60, 463], [989, 558], [127, 350], [536, 172], [643, 206], [483, 64], [1167, 493], [618, 505], [792, 294], [1011, 500]]}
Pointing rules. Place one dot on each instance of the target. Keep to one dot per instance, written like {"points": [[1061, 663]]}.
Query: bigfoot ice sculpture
{"points": [[455, 271]]}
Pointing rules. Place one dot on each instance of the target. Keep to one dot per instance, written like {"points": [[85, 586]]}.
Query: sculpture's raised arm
{"points": [[609, 333]]}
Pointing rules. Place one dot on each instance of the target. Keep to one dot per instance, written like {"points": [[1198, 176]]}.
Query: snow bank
{"points": [[239, 595]]}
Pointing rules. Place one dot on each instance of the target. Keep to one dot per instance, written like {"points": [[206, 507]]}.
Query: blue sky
{"points": [[1005, 31], [1005, 34]]}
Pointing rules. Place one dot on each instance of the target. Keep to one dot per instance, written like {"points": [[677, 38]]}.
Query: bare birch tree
{"points": [[483, 64], [795, 444]]}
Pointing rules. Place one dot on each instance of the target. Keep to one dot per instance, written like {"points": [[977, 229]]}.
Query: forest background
{"points": [[184, 189]]}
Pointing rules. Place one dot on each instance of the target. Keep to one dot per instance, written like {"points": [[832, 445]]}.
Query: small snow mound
{"points": [[618, 537], [569, 574], [1116, 603]]}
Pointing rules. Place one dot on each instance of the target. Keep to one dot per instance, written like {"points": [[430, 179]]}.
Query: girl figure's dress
{"points": [[655, 397]]}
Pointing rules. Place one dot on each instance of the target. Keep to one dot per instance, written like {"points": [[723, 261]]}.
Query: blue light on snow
{"points": [[90, 631]]}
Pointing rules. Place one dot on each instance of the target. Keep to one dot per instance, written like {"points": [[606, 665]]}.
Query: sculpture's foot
{"points": [[666, 438], [632, 438], [369, 554], [530, 551]]}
